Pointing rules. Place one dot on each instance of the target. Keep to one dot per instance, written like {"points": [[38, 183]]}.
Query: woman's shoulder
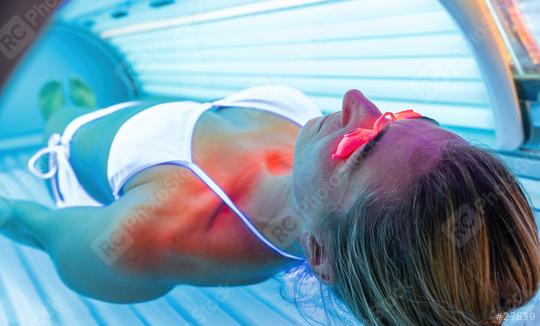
{"points": [[282, 99]]}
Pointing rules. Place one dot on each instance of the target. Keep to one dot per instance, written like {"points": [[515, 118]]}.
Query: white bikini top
{"points": [[164, 134]]}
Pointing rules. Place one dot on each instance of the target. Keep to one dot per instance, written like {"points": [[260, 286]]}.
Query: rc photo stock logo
{"points": [[15, 35], [284, 229], [462, 226], [19, 31], [111, 244]]}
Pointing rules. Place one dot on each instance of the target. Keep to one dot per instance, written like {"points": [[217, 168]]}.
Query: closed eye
{"points": [[368, 147], [435, 122]]}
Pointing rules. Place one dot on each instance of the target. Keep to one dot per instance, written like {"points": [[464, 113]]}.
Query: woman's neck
{"points": [[271, 212]]}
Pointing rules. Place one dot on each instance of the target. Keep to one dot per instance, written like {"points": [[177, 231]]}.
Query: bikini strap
{"points": [[226, 199]]}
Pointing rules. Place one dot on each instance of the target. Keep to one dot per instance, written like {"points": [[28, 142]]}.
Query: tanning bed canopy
{"points": [[519, 23], [190, 49]]}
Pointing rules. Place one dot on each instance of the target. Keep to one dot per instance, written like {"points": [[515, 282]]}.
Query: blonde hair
{"points": [[459, 248]]}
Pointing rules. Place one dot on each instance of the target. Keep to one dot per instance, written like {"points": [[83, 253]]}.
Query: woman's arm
{"points": [[154, 237], [85, 245]]}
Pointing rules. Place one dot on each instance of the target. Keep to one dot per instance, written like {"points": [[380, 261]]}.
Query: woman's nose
{"points": [[359, 110]]}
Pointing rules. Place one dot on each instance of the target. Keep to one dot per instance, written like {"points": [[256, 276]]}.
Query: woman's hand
{"points": [[12, 227], [5, 211], [8, 226]]}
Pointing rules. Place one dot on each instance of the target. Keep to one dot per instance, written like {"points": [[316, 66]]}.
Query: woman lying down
{"points": [[406, 223]]}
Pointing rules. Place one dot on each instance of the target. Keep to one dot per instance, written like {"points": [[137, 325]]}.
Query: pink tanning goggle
{"points": [[357, 138]]}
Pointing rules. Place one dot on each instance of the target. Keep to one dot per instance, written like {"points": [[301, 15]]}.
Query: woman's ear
{"points": [[318, 259]]}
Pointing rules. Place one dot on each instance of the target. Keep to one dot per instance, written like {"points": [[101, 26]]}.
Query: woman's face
{"points": [[322, 184]]}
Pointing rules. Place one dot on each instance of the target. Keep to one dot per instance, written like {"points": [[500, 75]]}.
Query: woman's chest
{"points": [[235, 144], [227, 160]]}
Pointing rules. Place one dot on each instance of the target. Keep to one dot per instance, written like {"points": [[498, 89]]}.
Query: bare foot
{"points": [[81, 94], [51, 98]]}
